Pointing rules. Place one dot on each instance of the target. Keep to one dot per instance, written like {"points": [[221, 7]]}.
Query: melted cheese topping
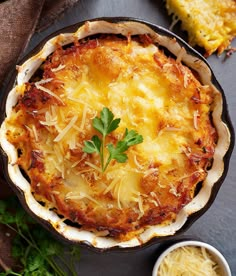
{"points": [[189, 260], [151, 93], [210, 24]]}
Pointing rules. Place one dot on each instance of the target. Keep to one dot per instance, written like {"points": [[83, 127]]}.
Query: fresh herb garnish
{"points": [[36, 250], [105, 125]]}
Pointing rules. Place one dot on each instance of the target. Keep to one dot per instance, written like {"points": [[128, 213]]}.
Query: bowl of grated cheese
{"points": [[191, 258]]}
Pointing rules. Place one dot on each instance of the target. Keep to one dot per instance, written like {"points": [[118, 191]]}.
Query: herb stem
{"points": [[27, 251], [69, 266], [55, 267], [102, 153], [107, 163], [20, 233], [10, 272]]}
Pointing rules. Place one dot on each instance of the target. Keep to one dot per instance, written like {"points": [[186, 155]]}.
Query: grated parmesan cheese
{"points": [[60, 67], [66, 129], [189, 260], [40, 87]]}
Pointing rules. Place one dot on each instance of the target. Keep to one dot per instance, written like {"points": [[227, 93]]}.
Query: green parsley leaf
{"points": [[117, 152], [105, 125], [34, 261], [93, 146], [132, 138]]}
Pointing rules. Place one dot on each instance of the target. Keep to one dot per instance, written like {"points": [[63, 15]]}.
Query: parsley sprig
{"points": [[36, 250], [105, 125]]}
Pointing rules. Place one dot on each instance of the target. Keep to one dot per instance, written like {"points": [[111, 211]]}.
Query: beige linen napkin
{"points": [[18, 20]]}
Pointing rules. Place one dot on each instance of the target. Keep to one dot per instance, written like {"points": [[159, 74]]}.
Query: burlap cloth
{"points": [[19, 20]]}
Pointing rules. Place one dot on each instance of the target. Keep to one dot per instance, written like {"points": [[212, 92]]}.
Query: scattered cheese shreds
{"points": [[43, 81], [76, 196], [60, 67], [40, 87], [66, 129], [82, 125]]}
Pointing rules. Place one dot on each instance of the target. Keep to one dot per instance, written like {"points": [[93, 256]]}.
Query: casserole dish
{"points": [[133, 214]]}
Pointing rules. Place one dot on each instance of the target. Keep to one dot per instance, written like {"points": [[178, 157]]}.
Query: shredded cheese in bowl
{"points": [[191, 259]]}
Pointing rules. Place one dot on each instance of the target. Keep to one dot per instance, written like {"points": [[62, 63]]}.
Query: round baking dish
{"points": [[174, 45], [215, 254]]}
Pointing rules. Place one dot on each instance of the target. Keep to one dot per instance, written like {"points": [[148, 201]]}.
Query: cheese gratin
{"points": [[152, 93], [210, 24]]}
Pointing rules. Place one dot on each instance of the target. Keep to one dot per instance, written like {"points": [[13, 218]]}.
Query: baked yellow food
{"points": [[151, 93], [210, 24], [114, 134]]}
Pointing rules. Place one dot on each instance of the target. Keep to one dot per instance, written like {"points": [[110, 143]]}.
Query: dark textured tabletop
{"points": [[218, 225]]}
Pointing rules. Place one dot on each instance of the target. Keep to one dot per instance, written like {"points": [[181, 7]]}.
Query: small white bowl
{"points": [[218, 257]]}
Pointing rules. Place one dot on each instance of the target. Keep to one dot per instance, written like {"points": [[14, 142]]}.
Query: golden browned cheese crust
{"points": [[151, 93]]}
